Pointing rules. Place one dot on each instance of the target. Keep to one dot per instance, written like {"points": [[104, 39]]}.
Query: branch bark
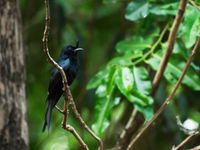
{"points": [[67, 92], [136, 119], [135, 122], [170, 46], [167, 101], [13, 106], [185, 141]]}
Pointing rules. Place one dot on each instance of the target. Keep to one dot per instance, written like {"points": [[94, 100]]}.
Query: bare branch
{"points": [[136, 120], [67, 92], [170, 46], [195, 5], [167, 101], [134, 123], [185, 141], [58, 109], [73, 105], [195, 148], [76, 135]]}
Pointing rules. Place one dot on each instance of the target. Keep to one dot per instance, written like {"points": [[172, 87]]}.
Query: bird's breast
{"points": [[71, 73]]}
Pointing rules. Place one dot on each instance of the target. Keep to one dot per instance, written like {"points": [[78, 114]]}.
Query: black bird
{"points": [[69, 62]]}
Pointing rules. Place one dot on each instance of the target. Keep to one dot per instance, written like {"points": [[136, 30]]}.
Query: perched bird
{"points": [[69, 62]]}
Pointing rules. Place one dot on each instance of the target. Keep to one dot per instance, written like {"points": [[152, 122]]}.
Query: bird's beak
{"points": [[78, 49]]}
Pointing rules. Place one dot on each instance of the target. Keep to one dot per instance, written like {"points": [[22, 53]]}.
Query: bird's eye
{"points": [[70, 48]]}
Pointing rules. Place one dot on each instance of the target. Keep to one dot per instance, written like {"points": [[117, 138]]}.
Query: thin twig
{"points": [[67, 92], [168, 99], [58, 109], [170, 46], [195, 5], [186, 140], [135, 121], [77, 114], [76, 135], [195, 148]]}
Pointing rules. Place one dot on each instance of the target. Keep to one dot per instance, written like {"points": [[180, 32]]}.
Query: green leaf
{"points": [[102, 113], [125, 75], [167, 9], [126, 59], [189, 29], [142, 81], [125, 84], [102, 108], [97, 79], [180, 50], [109, 1], [136, 10], [136, 44], [147, 111], [143, 86], [174, 69], [111, 81]]}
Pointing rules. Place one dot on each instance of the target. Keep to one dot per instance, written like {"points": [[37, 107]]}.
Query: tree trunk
{"points": [[13, 110]]}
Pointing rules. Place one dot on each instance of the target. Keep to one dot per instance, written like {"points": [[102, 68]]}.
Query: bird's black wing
{"points": [[56, 79], [55, 91]]}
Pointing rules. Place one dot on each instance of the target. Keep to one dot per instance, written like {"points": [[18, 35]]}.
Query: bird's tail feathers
{"points": [[48, 115]]}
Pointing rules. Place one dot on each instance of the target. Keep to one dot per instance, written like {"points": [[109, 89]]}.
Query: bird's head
{"points": [[71, 50]]}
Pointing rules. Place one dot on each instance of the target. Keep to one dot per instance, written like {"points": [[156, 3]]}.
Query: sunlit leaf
{"points": [[137, 43], [111, 81], [136, 10], [125, 75], [143, 83], [97, 79], [102, 110], [164, 9], [190, 27], [147, 111], [124, 85], [174, 69]]}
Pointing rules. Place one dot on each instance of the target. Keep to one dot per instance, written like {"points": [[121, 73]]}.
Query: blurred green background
{"points": [[102, 27]]}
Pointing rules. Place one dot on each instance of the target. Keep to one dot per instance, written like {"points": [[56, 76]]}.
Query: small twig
{"points": [[195, 5], [65, 113], [170, 46], [58, 109], [134, 123], [169, 98], [78, 116], [185, 141], [76, 135], [195, 148], [136, 120], [67, 92]]}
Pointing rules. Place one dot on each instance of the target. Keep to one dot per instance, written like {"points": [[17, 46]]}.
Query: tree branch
{"points": [[185, 141], [195, 148], [67, 92], [170, 46], [73, 131], [167, 101], [195, 5], [73, 105], [134, 123], [136, 119]]}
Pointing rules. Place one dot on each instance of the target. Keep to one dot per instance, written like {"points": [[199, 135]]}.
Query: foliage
{"points": [[124, 43], [131, 78]]}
